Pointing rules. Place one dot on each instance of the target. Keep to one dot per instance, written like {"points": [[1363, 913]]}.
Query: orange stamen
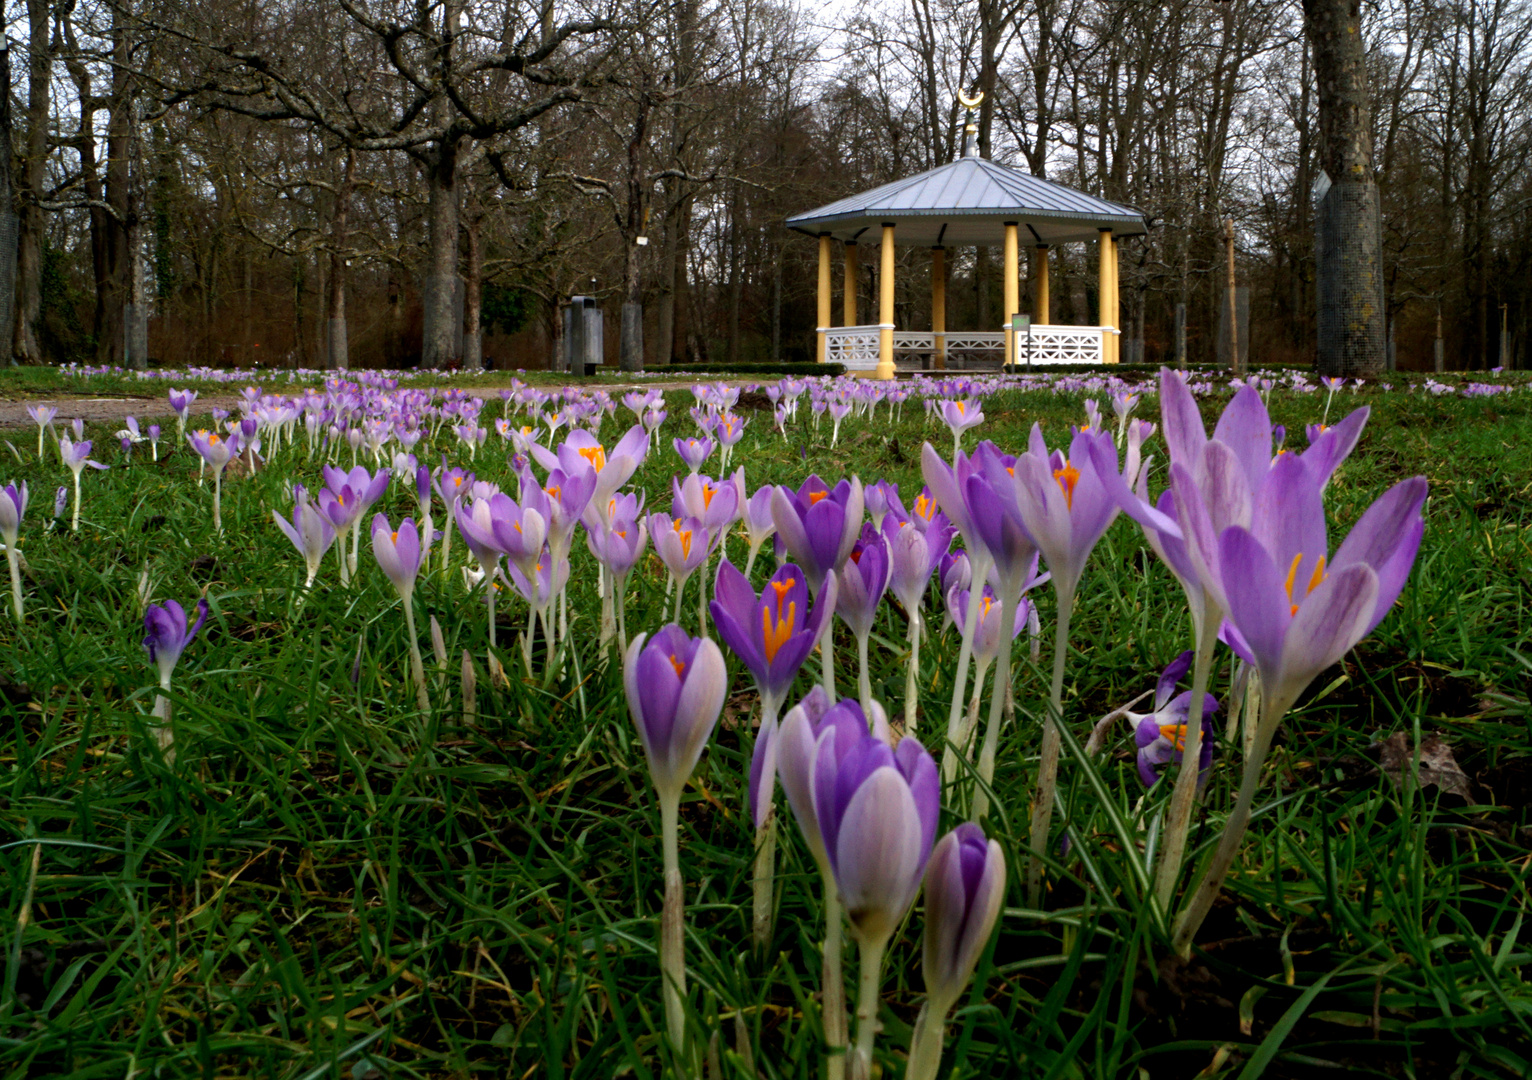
{"points": [[595, 455], [1067, 478], [773, 637], [679, 666], [1176, 733]]}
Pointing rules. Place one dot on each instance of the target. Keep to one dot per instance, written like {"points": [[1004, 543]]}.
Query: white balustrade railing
{"points": [[856, 347]]}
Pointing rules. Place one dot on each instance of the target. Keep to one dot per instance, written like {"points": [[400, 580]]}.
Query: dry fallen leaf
{"points": [[1437, 765]]}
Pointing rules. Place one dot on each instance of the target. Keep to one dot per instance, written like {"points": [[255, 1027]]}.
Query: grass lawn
{"points": [[329, 882]]}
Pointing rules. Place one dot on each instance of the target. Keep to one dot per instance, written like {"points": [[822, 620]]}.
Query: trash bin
{"points": [[584, 344]]}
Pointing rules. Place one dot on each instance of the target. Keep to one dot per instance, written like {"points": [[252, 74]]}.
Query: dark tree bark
{"points": [[473, 294], [7, 202], [339, 352], [1349, 230], [33, 173]]}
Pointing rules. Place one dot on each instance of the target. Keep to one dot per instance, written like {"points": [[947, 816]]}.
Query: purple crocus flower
{"points": [[881, 500], [818, 525], [959, 416], [863, 582], [913, 557], [166, 635], [774, 631], [1292, 612], [964, 889], [877, 809], [715, 503], [759, 524], [694, 451], [398, 553], [310, 531], [1065, 504], [42, 416], [682, 545], [675, 686], [1160, 735], [988, 639], [76, 456], [799, 741], [13, 504]]}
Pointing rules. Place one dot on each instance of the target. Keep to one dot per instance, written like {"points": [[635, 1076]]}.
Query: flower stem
{"points": [[832, 982], [1048, 765], [912, 676], [869, 976], [672, 946], [164, 735], [863, 676], [1190, 919], [13, 557], [926, 1044], [417, 666], [526, 639], [1185, 794], [74, 524], [1008, 604], [979, 566], [762, 881], [217, 502]]}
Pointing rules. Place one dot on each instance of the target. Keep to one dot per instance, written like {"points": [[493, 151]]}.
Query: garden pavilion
{"points": [[970, 202]]}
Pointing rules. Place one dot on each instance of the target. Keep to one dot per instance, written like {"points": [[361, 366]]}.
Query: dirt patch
{"points": [[106, 410]]}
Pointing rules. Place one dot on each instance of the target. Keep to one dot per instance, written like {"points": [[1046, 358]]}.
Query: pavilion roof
{"points": [[965, 202]]}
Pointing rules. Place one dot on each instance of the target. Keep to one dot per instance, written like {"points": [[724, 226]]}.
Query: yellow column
{"points": [[1012, 292], [1104, 295], [939, 307], [825, 244], [1041, 308], [1116, 307], [848, 301], [886, 306]]}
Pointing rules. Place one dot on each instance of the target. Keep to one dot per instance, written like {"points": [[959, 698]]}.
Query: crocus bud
{"points": [[675, 686], [167, 634], [13, 504], [877, 810], [965, 885]]}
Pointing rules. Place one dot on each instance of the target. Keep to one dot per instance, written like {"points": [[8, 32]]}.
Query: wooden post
{"points": [[1041, 305], [848, 301], [1104, 295], [825, 244], [1012, 272], [939, 307], [1234, 357], [886, 306]]}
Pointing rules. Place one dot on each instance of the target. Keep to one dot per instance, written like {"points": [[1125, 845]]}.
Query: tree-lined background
{"points": [[379, 183]]}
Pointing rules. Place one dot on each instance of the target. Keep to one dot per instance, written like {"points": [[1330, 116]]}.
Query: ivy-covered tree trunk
{"points": [[1349, 227]]}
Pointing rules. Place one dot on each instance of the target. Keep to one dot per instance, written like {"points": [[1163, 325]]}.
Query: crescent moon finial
{"points": [[971, 103]]}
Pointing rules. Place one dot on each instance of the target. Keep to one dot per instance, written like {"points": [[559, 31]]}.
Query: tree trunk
{"points": [[1350, 230], [339, 353], [680, 285], [473, 297], [439, 289], [113, 299], [736, 278], [29, 250], [7, 203]]}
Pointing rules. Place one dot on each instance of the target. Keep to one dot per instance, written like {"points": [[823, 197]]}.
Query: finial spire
{"points": [[969, 127]]}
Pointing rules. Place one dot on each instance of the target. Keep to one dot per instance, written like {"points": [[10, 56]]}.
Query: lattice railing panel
{"points": [[854, 346]]}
